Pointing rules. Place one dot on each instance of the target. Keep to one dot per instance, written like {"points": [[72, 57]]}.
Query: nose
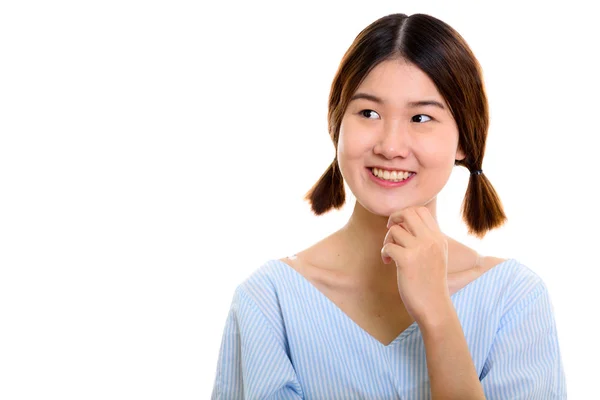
{"points": [[393, 140]]}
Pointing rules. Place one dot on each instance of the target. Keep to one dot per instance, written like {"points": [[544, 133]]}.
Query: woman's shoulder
{"points": [[509, 280], [266, 282], [513, 271]]}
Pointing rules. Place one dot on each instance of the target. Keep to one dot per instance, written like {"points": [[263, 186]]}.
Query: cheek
{"points": [[350, 142], [437, 152]]}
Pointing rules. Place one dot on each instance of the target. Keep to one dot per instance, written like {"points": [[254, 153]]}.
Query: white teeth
{"points": [[394, 176]]}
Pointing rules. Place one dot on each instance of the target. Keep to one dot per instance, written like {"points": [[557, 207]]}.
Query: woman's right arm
{"points": [[253, 362]]}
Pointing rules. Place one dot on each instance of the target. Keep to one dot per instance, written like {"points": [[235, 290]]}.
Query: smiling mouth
{"points": [[394, 176]]}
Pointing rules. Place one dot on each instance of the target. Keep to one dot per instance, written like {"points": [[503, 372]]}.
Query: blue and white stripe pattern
{"points": [[284, 339]]}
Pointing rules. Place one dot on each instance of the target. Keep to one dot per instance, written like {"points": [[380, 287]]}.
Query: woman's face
{"points": [[386, 130]]}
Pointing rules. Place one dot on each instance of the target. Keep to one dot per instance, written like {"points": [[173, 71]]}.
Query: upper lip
{"points": [[389, 168]]}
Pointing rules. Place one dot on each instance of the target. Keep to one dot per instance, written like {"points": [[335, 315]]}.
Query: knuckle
{"points": [[395, 229], [398, 230]]}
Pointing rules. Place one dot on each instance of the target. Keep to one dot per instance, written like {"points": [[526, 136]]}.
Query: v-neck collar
{"points": [[343, 315], [405, 333]]}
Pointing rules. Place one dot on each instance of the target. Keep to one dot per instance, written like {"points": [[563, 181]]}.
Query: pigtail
{"points": [[328, 192], [482, 209]]}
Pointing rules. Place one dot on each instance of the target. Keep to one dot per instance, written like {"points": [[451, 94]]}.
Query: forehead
{"points": [[396, 81]]}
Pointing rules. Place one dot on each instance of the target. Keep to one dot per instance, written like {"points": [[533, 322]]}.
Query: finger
{"points": [[388, 239], [391, 251], [400, 236], [409, 218], [428, 219]]}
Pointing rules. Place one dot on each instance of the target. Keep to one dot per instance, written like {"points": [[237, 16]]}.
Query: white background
{"points": [[154, 154]]}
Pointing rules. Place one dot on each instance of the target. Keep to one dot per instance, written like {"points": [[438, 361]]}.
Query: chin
{"points": [[383, 209]]}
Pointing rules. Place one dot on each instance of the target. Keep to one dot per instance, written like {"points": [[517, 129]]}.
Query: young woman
{"points": [[337, 320]]}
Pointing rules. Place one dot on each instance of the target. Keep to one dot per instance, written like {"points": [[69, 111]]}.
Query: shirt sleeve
{"points": [[253, 362], [525, 361]]}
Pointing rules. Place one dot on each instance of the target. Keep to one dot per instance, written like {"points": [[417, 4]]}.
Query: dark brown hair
{"points": [[440, 52]]}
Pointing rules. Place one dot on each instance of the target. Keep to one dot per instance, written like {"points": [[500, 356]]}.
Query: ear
{"points": [[460, 154]]}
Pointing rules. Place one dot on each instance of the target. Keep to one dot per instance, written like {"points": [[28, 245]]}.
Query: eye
{"points": [[421, 119], [368, 113]]}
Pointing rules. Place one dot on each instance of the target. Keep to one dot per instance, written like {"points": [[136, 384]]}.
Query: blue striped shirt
{"points": [[284, 339]]}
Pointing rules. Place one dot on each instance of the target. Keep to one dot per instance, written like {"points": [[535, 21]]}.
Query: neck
{"points": [[362, 238]]}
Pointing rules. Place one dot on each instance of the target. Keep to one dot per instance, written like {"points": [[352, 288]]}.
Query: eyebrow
{"points": [[412, 104]]}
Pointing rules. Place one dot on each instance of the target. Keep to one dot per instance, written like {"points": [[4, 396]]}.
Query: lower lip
{"points": [[389, 184]]}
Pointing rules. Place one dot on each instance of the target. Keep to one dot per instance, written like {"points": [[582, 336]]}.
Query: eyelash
{"points": [[361, 113]]}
